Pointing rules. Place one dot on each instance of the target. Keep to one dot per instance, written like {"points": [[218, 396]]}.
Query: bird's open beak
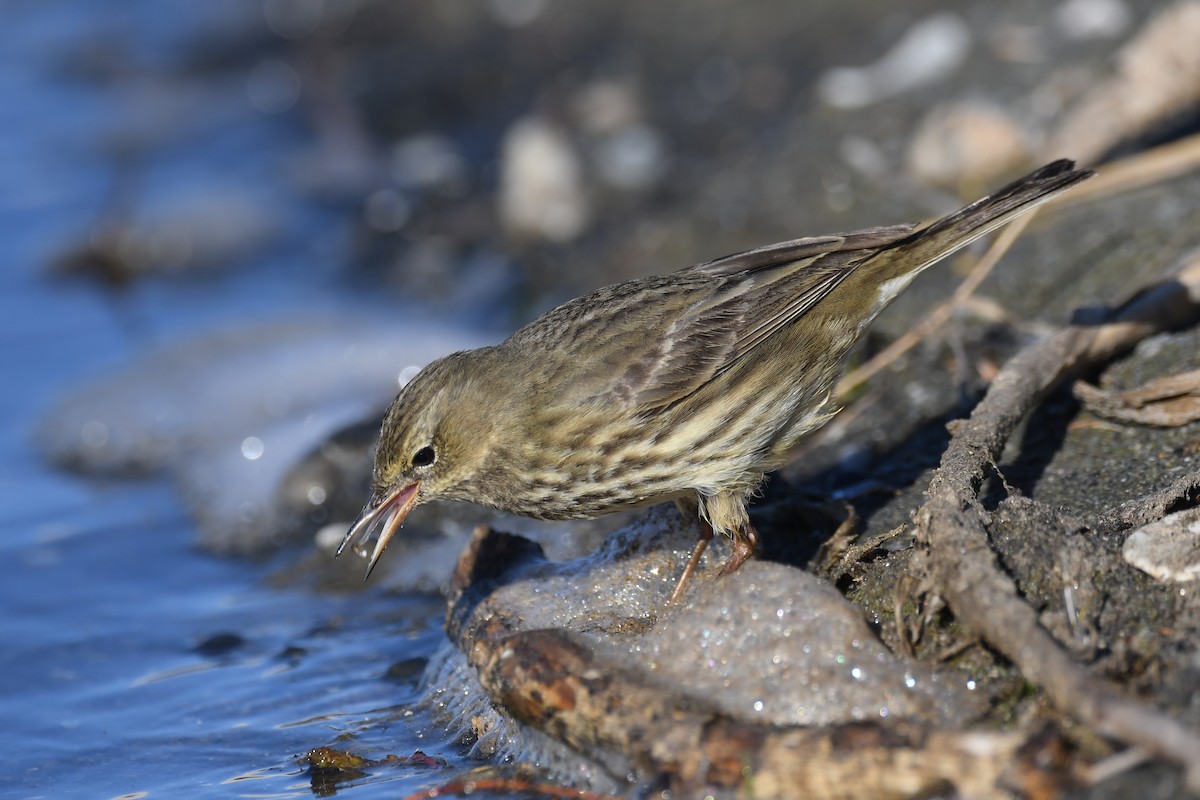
{"points": [[392, 511]]}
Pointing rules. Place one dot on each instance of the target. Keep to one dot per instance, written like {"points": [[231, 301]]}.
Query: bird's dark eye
{"points": [[424, 457]]}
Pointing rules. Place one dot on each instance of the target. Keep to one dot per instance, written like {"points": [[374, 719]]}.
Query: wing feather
{"points": [[729, 318], [654, 341]]}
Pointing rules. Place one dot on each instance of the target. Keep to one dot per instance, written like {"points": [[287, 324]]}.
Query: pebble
{"points": [[1092, 19], [541, 183], [929, 51], [1169, 549], [632, 159], [966, 143]]}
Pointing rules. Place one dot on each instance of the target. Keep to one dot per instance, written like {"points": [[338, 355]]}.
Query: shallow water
{"points": [[133, 663]]}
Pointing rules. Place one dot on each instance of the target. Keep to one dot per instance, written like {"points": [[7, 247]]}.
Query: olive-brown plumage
{"points": [[691, 385]]}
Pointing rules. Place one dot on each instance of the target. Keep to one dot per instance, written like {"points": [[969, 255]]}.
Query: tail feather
{"points": [[932, 243]]}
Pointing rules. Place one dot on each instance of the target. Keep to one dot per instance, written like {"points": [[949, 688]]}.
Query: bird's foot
{"points": [[744, 543]]}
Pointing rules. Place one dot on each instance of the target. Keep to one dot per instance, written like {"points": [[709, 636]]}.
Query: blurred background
{"points": [[231, 228]]}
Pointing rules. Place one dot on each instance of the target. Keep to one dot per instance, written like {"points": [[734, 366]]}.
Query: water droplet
{"points": [[252, 448]]}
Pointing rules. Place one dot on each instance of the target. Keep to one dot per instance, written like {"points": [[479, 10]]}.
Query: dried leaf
{"points": [[1166, 402]]}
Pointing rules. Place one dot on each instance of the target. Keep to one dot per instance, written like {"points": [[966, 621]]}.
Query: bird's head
{"points": [[435, 435]]}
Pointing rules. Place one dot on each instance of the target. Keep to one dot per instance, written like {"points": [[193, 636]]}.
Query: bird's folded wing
{"points": [[689, 330], [773, 255]]}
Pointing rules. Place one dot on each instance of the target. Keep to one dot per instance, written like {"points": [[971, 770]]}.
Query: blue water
{"points": [[133, 664]]}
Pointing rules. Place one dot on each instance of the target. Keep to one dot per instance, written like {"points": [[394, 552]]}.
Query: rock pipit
{"points": [[689, 386]]}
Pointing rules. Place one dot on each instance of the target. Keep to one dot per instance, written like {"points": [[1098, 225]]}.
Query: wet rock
{"points": [[230, 415], [589, 653], [201, 228], [219, 645], [261, 492]]}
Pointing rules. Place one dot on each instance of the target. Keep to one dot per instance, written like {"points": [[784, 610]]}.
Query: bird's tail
{"points": [[929, 244]]}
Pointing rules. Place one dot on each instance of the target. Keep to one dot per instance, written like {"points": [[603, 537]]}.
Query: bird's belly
{"points": [[584, 502], [705, 448]]}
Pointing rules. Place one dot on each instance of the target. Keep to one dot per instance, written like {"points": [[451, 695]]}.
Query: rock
{"points": [[629, 688], [1169, 549], [541, 183], [185, 231], [229, 415], [966, 144], [929, 51], [1092, 19]]}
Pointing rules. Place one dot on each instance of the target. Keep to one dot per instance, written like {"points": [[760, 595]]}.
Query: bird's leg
{"points": [[727, 513], [706, 535], [745, 540]]}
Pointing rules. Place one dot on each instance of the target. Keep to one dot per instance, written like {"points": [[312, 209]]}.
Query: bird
{"points": [[689, 386]]}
